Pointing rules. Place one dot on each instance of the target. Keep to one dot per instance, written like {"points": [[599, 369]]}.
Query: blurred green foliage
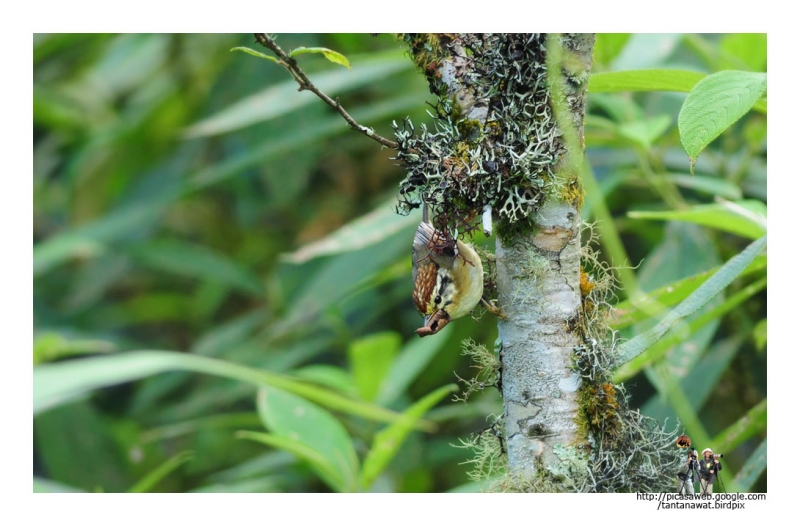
{"points": [[188, 199]]}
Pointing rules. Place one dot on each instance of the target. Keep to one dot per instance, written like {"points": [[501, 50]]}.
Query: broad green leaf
{"points": [[333, 56], [627, 313], [362, 232], [56, 384], [149, 481], [645, 132], [196, 261], [283, 98], [752, 423], [753, 467], [388, 441], [745, 218], [714, 104], [659, 348], [414, 357], [697, 299], [302, 422], [318, 463], [255, 53], [370, 359]]}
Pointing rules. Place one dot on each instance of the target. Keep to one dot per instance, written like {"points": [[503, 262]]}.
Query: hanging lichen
{"points": [[496, 140]]}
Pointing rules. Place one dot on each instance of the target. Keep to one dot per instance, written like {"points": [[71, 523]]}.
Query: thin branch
{"points": [[305, 84]]}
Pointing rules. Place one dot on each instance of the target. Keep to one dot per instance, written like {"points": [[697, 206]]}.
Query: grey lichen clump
{"points": [[496, 141]]}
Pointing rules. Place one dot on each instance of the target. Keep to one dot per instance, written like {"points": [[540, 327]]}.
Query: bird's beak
{"points": [[434, 323]]}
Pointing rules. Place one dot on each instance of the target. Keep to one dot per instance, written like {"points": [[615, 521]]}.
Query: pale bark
{"points": [[538, 276]]}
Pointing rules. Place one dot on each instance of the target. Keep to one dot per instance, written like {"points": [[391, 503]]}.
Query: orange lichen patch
{"points": [[587, 283]]}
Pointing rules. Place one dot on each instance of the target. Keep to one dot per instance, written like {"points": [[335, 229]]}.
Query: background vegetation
{"points": [[189, 199]]}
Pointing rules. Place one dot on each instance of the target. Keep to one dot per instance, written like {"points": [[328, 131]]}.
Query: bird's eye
{"points": [[437, 300]]}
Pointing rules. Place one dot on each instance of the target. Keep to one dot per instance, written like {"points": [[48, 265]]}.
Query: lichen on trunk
{"points": [[509, 136]]}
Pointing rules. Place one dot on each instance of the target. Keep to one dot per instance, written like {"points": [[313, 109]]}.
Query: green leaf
{"points": [[196, 425], [283, 98], [388, 441], [670, 388], [657, 350], [318, 463], [707, 185], [333, 56], [645, 132], [754, 422], [359, 233], [644, 80], [753, 467], [255, 53], [51, 346], [698, 298], [744, 51], [412, 360], [149, 481], [745, 218], [299, 137], [231, 333], [196, 261], [699, 381], [370, 360], [684, 249], [302, 422], [608, 45], [714, 104], [92, 239], [77, 434], [330, 376], [678, 80], [627, 313], [56, 384]]}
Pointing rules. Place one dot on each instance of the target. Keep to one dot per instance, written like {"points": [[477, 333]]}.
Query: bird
{"points": [[447, 274]]}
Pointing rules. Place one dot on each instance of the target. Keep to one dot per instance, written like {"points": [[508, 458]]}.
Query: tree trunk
{"points": [[510, 137], [538, 279]]}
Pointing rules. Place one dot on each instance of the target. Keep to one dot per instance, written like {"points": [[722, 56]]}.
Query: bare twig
{"points": [[305, 84]]}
